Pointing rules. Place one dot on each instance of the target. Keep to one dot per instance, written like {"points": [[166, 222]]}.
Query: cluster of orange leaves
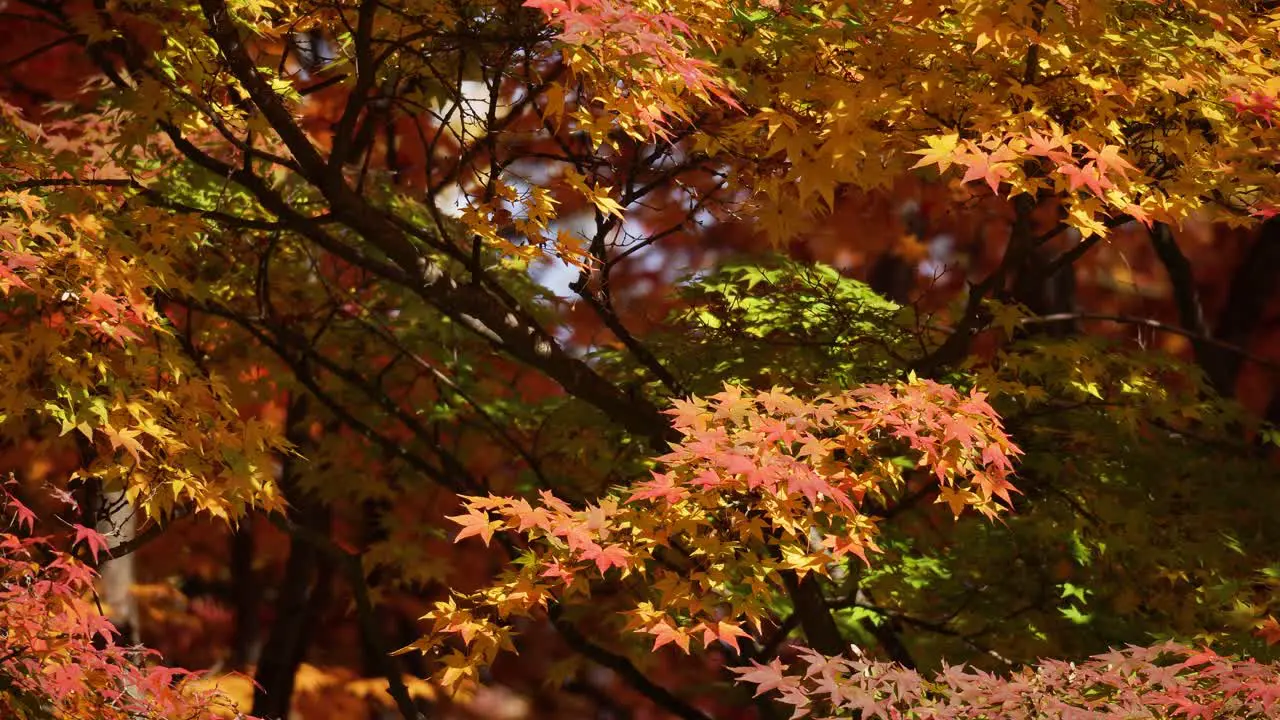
{"points": [[761, 484]]}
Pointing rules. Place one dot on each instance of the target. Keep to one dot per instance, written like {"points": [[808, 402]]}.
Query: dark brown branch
{"points": [[1252, 286], [954, 348], [509, 328], [1155, 325], [932, 627], [637, 349], [1187, 300], [815, 617], [246, 593], [660, 696], [303, 591], [353, 571], [38, 51], [224, 32], [366, 76]]}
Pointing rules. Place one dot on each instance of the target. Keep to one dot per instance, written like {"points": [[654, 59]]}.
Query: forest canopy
{"points": [[639, 359]]}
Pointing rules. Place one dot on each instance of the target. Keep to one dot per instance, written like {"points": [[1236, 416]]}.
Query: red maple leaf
{"points": [[98, 301], [94, 540], [22, 514], [1269, 630]]}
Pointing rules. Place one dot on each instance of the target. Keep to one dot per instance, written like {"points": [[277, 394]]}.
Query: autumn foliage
{"points": [[639, 358], [62, 658]]}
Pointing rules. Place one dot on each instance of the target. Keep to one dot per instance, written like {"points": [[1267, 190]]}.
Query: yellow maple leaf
{"points": [[941, 151]]}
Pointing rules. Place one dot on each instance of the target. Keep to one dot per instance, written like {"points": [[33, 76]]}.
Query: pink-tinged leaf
{"points": [[607, 557], [8, 275], [990, 168], [1087, 176], [476, 522], [734, 463], [65, 497], [663, 486], [21, 261], [764, 677], [98, 301], [555, 570]]}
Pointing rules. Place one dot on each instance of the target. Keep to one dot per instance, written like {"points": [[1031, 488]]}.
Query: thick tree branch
{"points": [[366, 618], [1187, 300], [1253, 286], [956, 346], [366, 76], [227, 36], [303, 591], [815, 617]]}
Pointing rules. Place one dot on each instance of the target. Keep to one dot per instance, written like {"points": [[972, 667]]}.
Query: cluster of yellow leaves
{"points": [[84, 348], [1121, 108], [762, 484]]}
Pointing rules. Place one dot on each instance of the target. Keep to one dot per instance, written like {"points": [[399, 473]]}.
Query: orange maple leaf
{"points": [[666, 634]]}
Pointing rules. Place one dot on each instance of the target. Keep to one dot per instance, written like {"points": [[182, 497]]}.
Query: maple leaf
{"points": [[22, 261], [10, 279], [666, 634], [853, 544], [98, 301], [727, 633], [125, 438], [1201, 657], [1056, 147], [556, 570], [1108, 160], [942, 151], [766, 678], [22, 514], [663, 486], [1269, 630], [1086, 176], [606, 204], [957, 499], [94, 540], [991, 168], [607, 557], [476, 522]]}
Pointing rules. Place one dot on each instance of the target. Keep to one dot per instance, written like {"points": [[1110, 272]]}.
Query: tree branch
{"points": [[954, 348], [660, 696], [1155, 325], [1187, 300], [353, 571]]}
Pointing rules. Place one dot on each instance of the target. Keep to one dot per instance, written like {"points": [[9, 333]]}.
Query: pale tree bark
{"points": [[117, 576]]}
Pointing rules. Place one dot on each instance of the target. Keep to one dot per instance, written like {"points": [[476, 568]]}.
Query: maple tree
{"points": [[285, 285]]}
